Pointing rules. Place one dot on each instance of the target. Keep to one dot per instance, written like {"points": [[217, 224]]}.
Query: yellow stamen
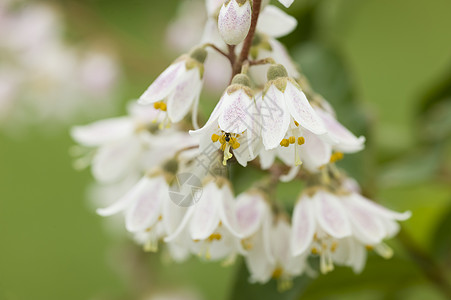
{"points": [[301, 140], [296, 123], [156, 105], [214, 137], [334, 246], [292, 140], [222, 140], [336, 157], [235, 145], [315, 251], [214, 236], [277, 273], [223, 146], [163, 106], [284, 143]]}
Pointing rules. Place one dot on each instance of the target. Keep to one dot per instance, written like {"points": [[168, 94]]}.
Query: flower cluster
{"points": [[42, 78], [178, 190]]}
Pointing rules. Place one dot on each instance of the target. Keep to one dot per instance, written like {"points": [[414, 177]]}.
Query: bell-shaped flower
{"points": [[287, 115], [176, 91], [209, 228], [322, 221], [234, 21], [150, 214], [232, 124], [279, 264], [127, 145]]}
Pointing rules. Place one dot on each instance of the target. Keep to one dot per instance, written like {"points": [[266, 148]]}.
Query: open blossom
{"points": [[234, 21], [209, 227], [177, 90], [127, 145], [231, 124], [322, 222]]}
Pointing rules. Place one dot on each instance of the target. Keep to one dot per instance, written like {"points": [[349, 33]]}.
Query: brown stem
{"points": [[250, 36], [218, 50], [263, 61]]}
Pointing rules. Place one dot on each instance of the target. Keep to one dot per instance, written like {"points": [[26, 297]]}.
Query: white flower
{"points": [[279, 263], [149, 212], [234, 21], [323, 221], [210, 228], [127, 145], [232, 123], [177, 90], [287, 116]]}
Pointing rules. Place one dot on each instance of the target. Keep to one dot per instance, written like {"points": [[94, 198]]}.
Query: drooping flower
{"points": [[231, 125], [127, 145], [322, 222], [234, 21], [287, 115], [209, 228], [177, 90]]}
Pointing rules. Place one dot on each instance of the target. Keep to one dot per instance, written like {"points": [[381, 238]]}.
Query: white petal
{"points": [[173, 215], [367, 226], [227, 211], [267, 158], [257, 262], [102, 132], [234, 21], [236, 114], [346, 141], [380, 210], [314, 153], [275, 117], [147, 205], [125, 201], [250, 210], [302, 111], [303, 226], [331, 215], [205, 218], [164, 84], [113, 161], [275, 22], [286, 3], [181, 100]]}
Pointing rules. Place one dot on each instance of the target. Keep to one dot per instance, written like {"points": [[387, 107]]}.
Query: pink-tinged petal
{"points": [[250, 208], [113, 161], [380, 210], [331, 215], [146, 209], [181, 230], [103, 132], [164, 83], [227, 211], [366, 225], [205, 218], [286, 3], [234, 21], [185, 93], [275, 22], [212, 121], [345, 140], [275, 117], [236, 115], [302, 111], [314, 153], [303, 226]]}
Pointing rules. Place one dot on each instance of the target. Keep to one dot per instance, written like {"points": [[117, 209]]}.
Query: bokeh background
{"points": [[385, 65]]}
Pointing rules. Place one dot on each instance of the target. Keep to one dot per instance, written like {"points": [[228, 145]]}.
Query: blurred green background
{"points": [[385, 65]]}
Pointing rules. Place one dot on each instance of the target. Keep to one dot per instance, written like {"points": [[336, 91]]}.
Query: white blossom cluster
{"points": [[267, 118], [42, 77]]}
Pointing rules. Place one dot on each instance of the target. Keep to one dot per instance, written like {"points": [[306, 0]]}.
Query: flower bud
{"points": [[234, 21], [276, 71]]}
